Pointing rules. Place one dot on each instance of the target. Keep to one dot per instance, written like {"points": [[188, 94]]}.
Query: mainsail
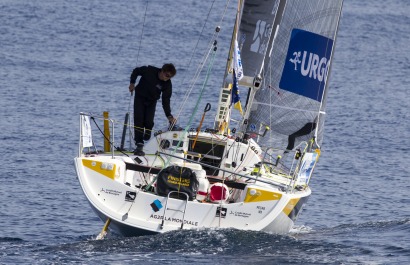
{"points": [[292, 99]]}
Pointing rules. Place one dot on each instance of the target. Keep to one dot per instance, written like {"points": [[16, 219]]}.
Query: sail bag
{"points": [[175, 178]]}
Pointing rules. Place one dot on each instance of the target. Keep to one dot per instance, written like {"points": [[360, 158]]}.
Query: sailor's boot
{"points": [[139, 150]]}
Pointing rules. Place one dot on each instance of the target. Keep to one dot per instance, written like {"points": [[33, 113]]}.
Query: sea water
{"points": [[59, 58]]}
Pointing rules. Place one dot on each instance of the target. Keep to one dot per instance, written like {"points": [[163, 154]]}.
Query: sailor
{"points": [[154, 81]]}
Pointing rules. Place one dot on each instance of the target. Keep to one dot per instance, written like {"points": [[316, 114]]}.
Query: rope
{"points": [[199, 37], [213, 39], [111, 143], [130, 131], [131, 135], [142, 30], [197, 102]]}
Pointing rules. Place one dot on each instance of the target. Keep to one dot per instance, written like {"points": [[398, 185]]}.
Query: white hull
{"points": [[114, 191]]}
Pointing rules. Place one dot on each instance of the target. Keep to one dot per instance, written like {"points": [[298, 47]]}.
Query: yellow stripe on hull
{"points": [[290, 206], [106, 169], [257, 195]]}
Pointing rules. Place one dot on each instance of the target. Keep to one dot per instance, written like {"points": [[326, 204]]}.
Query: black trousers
{"points": [[308, 128], [144, 113]]}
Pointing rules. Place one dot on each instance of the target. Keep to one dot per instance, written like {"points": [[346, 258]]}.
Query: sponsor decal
{"points": [[130, 196], [237, 62], [308, 163], [307, 64], [111, 192], [221, 212], [86, 136], [240, 214], [156, 205], [174, 220], [179, 181], [260, 38]]}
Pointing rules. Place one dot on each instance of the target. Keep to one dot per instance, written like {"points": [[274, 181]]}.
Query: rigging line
{"points": [[217, 31], [288, 108], [202, 62], [196, 105], [237, 151], [197, 73], [138, 53], [199, 38], [329, 70], [111, 143], [192, 86], [130, 133], [142, 30], [224, 13], [233, 156], [202, 90], [126, 124], [188, 92], [195, 78]]}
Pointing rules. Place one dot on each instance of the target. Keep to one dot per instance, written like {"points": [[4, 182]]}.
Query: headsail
{"points": [[254, 36], [251, 39], [290, 100]]}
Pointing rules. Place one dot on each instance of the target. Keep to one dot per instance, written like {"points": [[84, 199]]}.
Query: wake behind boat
{"points": [[252, 175]]}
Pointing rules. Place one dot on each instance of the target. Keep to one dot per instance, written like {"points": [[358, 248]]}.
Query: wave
{"points": [[10, 239], [363, 243], [382, 225]]}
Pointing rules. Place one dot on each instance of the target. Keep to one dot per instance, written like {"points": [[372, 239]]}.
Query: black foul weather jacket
{"points": [[150, 87]]}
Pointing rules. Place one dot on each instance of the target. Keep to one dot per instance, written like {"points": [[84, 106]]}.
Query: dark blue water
{"points": [[58, 58]]}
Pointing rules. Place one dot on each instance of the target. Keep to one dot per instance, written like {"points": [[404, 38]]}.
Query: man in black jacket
{"points": [[153, 82]]}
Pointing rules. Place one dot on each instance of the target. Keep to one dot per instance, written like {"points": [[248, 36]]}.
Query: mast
{"points": [[222, 116], [278, 10], [233, 38]]}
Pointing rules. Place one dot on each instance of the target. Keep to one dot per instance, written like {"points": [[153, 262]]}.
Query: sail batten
{"points": [[287, 108]]}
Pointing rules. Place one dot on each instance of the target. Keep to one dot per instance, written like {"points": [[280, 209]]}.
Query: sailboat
{"points": [[252, 173]]}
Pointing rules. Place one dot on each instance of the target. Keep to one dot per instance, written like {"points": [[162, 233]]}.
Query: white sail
{"points": [[293, 96]]}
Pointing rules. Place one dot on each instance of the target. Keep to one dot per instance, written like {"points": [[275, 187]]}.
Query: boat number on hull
{"points": [[260, 209]]}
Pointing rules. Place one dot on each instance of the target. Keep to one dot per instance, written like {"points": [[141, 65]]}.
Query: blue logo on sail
{"points": [[307, 64]]}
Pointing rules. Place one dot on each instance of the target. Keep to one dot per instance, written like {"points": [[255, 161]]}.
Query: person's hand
{"points": [[131, 88], [171, 120]]}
